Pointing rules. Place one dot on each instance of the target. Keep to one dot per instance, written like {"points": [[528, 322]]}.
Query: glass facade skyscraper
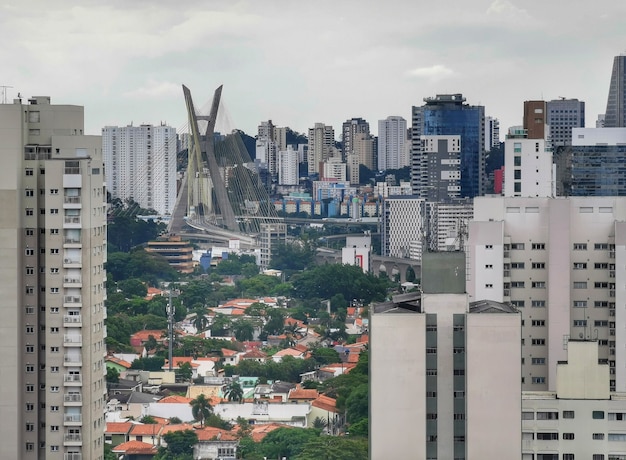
{"points": [[447, 114], [615, 115]]}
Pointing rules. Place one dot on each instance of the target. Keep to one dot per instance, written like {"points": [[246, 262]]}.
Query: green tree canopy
{"points": [[334, 448], [287, 442], [201, 408], [179, 445]]}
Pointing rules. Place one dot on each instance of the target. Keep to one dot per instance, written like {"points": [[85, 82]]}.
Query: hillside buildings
{"points": [[52, 289], [141, 164]]}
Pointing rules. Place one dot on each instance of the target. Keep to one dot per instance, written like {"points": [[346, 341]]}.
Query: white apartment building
{"points": [[403, 227], [528, 168], [288, 167], [447, 223], [441, 167], [581, 419], [562, 262], [492, 133], [358, 252], [433, 394], [334, 169], [52, 283], [321, 146], [392, 140], [140, 162]]}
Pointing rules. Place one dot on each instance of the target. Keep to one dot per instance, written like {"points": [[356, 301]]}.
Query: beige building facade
{"points": [[52, 289]]}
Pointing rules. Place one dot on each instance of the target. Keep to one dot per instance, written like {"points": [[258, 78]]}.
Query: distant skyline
{"points": [[298, 63]]}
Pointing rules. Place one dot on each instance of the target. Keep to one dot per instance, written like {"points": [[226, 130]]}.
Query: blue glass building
{"points": [[447, 114]]}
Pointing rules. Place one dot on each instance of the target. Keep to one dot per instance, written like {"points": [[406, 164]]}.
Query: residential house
{"points": [[214, 443], [294, 352], [135, 450], [254, 355], [302, 395], [148, 433], [117, 432], [325, 408], [230, 357]]}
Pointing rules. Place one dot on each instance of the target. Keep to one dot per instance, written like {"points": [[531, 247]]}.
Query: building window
{"points": [[568, 436], [580, 265], [601, 266], [54, 191], [580, 285], [30, 368], [580, 246], [517, 303], [54, 427], [599, 457], [517, 246], [54, 389], [538, 322], [538, 246], [580, 304], [568, 414], [597, 414], [547, 415], [54, 448], [528, 416], [616, 416], [29, 252], [568, 456], [54, 408], [539, 284], [30, 349], [517, 265], [30, 427], [597, 436], [538, 341], [617, 437], [539, 380], [601, 285], [517, 284], [580, 323], [489, 246], [29, 171], [538, 265], [601, 247]]}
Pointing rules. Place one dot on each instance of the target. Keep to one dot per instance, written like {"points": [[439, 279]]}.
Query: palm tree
{"points": [[200, 322], [201, 408], [233, 391]]}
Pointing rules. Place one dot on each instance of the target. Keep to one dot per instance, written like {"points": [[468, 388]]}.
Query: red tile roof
{"points": [[176, 427], [118, 427], [142, 336], [302, 394], [254, 354], [135, 447], [147, 429], [209, 433], [325, 403], [175, 399], [289, 352], [228, 352], [178, 360], [260, 431], [118, 361]]}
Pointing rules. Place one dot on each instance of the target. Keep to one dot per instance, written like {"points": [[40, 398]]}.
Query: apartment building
{"points": [[433, 394], [141, 164], [562, 263], [52, 289]]}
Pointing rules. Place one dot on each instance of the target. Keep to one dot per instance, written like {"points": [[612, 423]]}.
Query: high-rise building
{"points": [[535, 119], [403, 226], [562, 262], [141, 164], [349, 129], [492, 133], [563, 115], [596, 162], [321, 145], [528, 165], [441, 167], [392, 139], [288, 166], [52, 283], [433, 391], [449, 115], [615, 115]]}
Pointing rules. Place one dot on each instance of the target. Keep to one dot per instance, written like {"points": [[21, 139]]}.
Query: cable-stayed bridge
{"points": [[221, 196]]}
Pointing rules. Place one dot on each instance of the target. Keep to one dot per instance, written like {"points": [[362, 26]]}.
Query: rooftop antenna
{"points": [[4, 93]]}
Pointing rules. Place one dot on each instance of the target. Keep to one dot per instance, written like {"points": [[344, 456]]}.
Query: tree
{"points": [[287, 442], [200, 322], [220, 326], [233, 391], [323, 356], [201, 408], [243, 330], [179, 445], [133, 287], [185, 371], [154, 363], [334, 448], [319, 423], [357, 407], [113, 375], [148, 420]]}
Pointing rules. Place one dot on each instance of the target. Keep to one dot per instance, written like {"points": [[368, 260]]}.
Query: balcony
{"points": [[72, 263], [71, 199], [73, 378], [72, 243], [72, 221], [72, 419], [73, 456], [72, 281], [72, 439], [73, 399], [72, 320], [75, 340], [73, 360], [72, 301]]}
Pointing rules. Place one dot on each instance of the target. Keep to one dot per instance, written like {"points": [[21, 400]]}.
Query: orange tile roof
{"points": [[288, 352], [260, 431], [176, 427], [209, 433], [118, 427], [135, 447], [145, 334], [118, 361], [301, 347], [147, 429], [363, 339], [178, 360], [351, 311], [353, 358], [303, 394], [238, 303], [175, 399], [228, 352], [152, 292], [254, 354], [325, 403]]}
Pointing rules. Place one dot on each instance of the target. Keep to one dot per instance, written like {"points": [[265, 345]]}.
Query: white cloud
{"points": [[434, 73], [504, 9]]}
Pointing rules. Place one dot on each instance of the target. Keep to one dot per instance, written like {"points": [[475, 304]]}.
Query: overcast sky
{"points": [[299, 62]]}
